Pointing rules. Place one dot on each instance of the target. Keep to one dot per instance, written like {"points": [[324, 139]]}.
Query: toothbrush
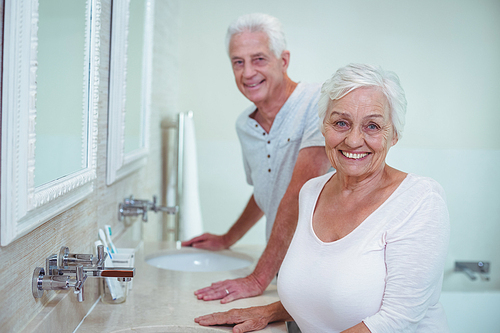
{"points": [[102, 236], [107, 230]]}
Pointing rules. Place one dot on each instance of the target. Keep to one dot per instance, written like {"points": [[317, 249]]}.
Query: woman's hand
{"points": [[246, 320], [207, 241]]}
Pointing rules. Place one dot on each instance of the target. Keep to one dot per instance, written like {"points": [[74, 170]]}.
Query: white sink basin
{"points": [[194, 260]]}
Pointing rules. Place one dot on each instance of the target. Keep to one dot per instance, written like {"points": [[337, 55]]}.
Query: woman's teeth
{"points": [[353, 155]]}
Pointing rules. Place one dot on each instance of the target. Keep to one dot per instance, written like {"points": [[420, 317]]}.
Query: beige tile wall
{"points": [[77, 227]]}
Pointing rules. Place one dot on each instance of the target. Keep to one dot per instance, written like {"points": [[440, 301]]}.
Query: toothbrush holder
{"points": [[123, 258]]}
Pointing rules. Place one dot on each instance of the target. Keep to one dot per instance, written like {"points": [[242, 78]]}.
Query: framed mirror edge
{"points": [[24, 207], [35, 218], [119, 163]]}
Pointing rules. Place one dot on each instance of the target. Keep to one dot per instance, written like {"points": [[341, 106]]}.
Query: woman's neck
{"points": [[365, 185]]}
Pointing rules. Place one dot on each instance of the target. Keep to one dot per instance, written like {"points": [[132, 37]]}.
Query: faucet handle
{"points": [[484, 267], [66, 259], [80, 280], [168, 210], [62, 257], [101, 256], [118, 272]]}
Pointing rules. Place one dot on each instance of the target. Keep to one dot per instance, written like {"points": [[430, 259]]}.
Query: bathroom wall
{"points": [[77, 227], [446, 55], [445, 52]]}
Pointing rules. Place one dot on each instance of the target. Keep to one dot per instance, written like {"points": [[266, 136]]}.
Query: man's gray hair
{"points": [[354, 76], [258, 22]]}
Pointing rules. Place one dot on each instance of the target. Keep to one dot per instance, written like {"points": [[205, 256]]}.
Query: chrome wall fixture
{"points": [[474, 269], [136, 207], [70, 270]]}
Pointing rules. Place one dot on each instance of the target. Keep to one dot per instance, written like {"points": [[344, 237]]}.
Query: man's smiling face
{"points": [[257, 71]]}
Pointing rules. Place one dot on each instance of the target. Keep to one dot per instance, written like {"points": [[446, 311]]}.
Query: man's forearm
{"points": [[277, 246], [311, 162]]}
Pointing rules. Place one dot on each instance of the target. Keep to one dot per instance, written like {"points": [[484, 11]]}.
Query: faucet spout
{"points": [[67, 270], [469, 273], [135, 207], [474, 269], [115, 272]]}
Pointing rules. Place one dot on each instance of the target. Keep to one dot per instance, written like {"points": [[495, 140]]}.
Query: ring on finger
{"points": [[227, 291]]}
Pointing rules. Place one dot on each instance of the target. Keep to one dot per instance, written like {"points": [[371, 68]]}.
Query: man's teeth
{"points": [[354, 156]]}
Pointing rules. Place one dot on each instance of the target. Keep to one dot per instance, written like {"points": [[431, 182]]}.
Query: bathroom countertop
{"points": [[162, 297]]}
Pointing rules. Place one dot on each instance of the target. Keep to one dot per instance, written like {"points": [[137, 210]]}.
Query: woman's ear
{"points": [[394, 137]]}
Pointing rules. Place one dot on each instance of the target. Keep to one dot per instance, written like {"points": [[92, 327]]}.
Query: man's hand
{"points": [[207, 242], [230, 290], [246, 320]]}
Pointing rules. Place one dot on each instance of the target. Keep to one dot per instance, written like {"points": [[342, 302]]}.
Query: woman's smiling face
{"points": [[358, 132]]}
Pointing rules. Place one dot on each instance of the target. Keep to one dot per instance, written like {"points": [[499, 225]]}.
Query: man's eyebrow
{"points": [[254, 55], [258, 54]]}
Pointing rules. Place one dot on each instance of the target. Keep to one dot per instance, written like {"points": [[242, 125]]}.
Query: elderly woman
{"points": [[371, 241]]}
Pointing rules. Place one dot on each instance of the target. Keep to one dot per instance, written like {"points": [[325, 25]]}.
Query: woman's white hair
{"points": [[354, 76], [258, 22]]}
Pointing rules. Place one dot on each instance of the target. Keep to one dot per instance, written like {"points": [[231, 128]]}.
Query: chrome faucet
{"points": [[474, 269], [69, 270], [135, 207]]}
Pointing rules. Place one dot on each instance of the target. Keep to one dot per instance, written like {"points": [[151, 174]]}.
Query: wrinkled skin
{"points": [[358, 133], [246, 320], [236, 289], [207, 241]]}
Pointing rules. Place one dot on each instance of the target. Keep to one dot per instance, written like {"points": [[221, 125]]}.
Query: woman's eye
{"points": [[372, 126], [341, 123]]}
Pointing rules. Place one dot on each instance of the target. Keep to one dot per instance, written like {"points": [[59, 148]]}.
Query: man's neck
{"points": [[266, 112]]}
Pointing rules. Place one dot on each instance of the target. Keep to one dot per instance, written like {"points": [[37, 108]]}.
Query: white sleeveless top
{"points": [[387, 272]]}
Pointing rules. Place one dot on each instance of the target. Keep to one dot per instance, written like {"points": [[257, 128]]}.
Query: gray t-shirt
{"points": [[269, 158]]}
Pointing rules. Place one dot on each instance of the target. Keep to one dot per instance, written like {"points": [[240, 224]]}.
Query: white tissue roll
{"points": [[191, 223]]}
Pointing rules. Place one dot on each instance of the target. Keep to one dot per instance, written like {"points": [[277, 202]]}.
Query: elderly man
{"points": [[281, 144]]}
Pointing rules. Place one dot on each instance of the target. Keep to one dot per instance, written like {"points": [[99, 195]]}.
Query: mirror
{"points": [[49, 110], [60, 132], [129, 87]]}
